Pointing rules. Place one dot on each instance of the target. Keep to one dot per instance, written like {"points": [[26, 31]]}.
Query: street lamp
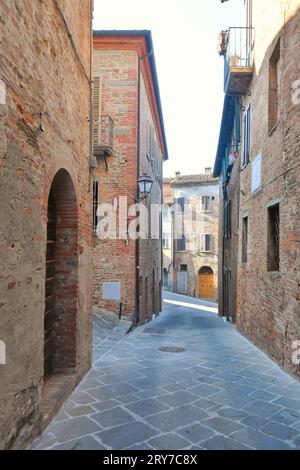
{"points": [[145, 184]]}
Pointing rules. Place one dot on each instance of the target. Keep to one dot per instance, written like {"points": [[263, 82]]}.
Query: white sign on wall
{"points": [[111, 291], [256, 174]]}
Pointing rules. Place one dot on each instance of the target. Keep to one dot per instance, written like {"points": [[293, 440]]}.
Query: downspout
{"points": [[91, 92], [137, 242]]}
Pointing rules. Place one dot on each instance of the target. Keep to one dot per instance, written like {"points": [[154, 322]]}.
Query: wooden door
{"points": [[49, 289], [206, 285]]}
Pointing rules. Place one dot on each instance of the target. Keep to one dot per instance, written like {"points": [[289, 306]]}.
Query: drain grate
{"points": [[154, 331], [172, 349]]}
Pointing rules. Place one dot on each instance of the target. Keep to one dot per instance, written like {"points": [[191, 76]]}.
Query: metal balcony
{"points": [[103, 137], [237, 48]]}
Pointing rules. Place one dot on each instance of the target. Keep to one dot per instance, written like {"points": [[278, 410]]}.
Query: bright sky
{"points": [[190, 71]]}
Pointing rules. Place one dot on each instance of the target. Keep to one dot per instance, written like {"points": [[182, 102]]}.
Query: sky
{"points": [[190, 71]]}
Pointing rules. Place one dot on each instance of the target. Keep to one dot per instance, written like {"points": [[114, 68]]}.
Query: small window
{"points": [[183, 268], [273, 238], [227, 220], [245, 240], [95, 205], [274, 80], [181, 202], [206, 203], [246, 136], [181, 244], [206, 242]]}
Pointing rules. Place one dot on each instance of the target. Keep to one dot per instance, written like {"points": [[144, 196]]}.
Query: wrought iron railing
{"points": [[104, 132], [237, 48]]}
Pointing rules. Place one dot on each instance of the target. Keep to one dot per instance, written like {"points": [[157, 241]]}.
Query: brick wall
{"points": [[114, 260], [45, 65], [150, 250], [268, 302]]}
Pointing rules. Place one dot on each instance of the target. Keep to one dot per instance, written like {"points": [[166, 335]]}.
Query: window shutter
{"points": [[248, 132], [96, 109]]}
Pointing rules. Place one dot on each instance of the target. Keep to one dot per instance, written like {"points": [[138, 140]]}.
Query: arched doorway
{"points": [[206, 283], [61, 278]]}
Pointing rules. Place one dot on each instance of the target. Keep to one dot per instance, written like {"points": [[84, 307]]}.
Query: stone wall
{"points": [[45, 65], [192, 256]]}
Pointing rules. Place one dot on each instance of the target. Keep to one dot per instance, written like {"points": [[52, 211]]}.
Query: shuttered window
{"points": [[95, 205], [246, 136], [96, 108]]}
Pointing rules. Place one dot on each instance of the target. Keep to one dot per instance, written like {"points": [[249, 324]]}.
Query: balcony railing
{"points": [[104, 136], [237, 48]]}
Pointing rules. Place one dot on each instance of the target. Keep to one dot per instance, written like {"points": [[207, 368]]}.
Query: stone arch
{"points": [[61, 284]]}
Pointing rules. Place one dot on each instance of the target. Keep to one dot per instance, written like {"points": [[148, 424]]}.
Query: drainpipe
{"points": [[137, 242]]}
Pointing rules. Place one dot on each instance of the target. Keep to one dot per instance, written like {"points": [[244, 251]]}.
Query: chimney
{"points": [[208, 171], [177, 174]]}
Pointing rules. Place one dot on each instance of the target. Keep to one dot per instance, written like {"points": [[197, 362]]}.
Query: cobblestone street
{"points": [[188, 380]]}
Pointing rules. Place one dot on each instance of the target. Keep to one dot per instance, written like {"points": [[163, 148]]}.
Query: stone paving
{"points": [[221, 392]]}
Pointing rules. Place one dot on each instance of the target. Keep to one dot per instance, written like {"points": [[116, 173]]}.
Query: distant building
{"points": [[129, 142], [190, 263], [258, 164]]}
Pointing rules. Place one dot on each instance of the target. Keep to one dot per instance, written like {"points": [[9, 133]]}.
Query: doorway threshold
{"points": [[57, 389]]}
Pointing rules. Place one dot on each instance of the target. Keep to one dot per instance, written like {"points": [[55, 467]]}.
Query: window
{"points": [[206, 242], [181, 202], [245, 240], [96, 108], [273, 255], [274, 77], [227, 220], [181, 244], [95, 205], [183, 268], [246, 136], [206, 203]]}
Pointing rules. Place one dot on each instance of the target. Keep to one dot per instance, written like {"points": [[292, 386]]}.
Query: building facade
{"points": [[191, 258], [258, 161], [45, 148], [126, 96]]}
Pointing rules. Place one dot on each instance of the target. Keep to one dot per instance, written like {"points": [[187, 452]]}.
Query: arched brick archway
{"points": [[61, 277], [206, 283]]}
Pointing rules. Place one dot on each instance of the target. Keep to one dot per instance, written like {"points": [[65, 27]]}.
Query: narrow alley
{"points": [[188, 380]]}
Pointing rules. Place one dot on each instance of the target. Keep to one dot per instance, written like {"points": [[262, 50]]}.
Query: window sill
{"points": [[274, 274], [243, 167]]}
